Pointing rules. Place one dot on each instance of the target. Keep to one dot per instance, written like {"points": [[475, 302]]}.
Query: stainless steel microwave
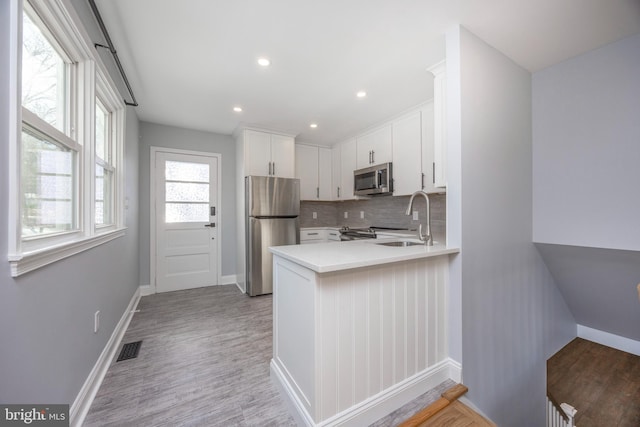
{"points": [[373, 181]]}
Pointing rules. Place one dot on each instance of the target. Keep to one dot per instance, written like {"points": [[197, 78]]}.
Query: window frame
{"points": [[87, 79]]}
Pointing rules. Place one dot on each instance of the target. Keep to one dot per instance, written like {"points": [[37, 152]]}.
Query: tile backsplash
{"points": [[383, 211]]}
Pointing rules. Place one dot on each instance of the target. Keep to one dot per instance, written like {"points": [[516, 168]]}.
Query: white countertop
{"points": [[337, 256]]}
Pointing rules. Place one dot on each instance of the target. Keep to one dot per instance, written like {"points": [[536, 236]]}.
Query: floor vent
{"points": [[129, 351]]}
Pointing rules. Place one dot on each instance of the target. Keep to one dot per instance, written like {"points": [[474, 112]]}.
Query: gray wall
{"points": [[509, 326], [155, 135], [586, 149], [46, 316], [586, 133]]}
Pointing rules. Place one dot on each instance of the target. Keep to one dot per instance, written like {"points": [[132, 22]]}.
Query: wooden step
{"points": [[448, 411]]}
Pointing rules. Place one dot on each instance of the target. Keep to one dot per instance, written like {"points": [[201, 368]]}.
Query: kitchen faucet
{"points": [[428, 237]]}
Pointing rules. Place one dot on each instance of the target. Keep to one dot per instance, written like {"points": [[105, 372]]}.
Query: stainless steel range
{"points": [[347, 233]]}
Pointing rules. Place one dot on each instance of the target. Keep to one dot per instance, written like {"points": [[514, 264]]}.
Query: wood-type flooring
{"points": [[204, 361], [602, 383]]}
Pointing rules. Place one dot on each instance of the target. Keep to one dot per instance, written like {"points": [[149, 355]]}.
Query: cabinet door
{"points": [[324, 173], [440, 125], [283, 156], [407, 167], [307, 171], [428, 159], [336, 173], [348, 165], [374, 147], [257, 153]]}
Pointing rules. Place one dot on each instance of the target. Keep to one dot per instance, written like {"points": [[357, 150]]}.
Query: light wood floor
{"points": [[204, 361], [602, 383]]}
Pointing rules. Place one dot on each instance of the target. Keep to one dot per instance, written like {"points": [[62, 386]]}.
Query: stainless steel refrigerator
{"points": [[272, 206]]}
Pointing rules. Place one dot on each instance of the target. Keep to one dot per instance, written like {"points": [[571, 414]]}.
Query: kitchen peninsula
{"points": [[359, 328]]}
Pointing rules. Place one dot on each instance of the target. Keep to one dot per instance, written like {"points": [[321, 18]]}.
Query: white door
{"points": [[186, 194]]}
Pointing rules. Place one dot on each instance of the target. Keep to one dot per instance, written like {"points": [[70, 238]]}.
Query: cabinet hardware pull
{"points": [[269, 169], [338, 188], [317, 192], [312, 234], [273, 169], [434, 172], [369, 156], [213, 224], [422, 180], [373, 156]]}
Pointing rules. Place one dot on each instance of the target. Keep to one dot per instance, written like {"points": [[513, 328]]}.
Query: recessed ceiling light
{"points": [[237, 109], [313, 125], [264, 62], [361, 94]]}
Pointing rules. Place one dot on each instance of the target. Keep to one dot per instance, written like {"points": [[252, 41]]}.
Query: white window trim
{"points": [[68, 26]]}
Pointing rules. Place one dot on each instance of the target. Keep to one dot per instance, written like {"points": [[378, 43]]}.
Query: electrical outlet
{"points": [[346, 215], [415, 216], [315, 215], [96, 321], [361, 214]]}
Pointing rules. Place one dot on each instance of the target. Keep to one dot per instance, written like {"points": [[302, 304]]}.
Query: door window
{"points": [[186, 192]]}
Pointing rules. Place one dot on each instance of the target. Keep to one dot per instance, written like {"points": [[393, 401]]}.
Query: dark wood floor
{"points": [[602, 383]]}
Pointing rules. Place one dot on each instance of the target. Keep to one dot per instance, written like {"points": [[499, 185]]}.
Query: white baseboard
{"points": [[146, 290], [230, 279], [610, 340], [376, 407], [84, 399]]}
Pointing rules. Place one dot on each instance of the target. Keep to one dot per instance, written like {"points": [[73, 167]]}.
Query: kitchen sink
{"points": [[400, 244]]}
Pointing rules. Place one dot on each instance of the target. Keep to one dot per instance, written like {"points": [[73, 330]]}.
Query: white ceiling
{"points": [[191, 61]]}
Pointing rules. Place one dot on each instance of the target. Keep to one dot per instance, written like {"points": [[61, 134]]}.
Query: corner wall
{"points": [[48, 347], [586, 134], [156, 135], [586, 151], [509, 325]]}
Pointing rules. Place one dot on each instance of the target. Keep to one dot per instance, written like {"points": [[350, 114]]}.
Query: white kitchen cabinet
{"points": [[428, 155], [407, 149], [440, 123], [319, 235], [413, 152], [347, 166], [314, 235], [375, 147], [268, 154], [336, 173], [313, 169]]}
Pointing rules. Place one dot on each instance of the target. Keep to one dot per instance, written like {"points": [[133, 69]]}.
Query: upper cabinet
{"points": [[343, 163], [374, 148], [408, 175], [313, 168], [267, 154], [440, 123]]}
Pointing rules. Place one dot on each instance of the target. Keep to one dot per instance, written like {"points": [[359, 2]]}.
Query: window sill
{"points": [[29, 261]]}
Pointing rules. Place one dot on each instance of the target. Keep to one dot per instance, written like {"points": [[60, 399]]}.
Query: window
{"points": [[104, 194], [186, 192], [48, 167], [66, 177]]}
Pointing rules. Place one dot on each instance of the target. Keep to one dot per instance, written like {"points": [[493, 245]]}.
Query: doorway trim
{"points": [[152, 208]]}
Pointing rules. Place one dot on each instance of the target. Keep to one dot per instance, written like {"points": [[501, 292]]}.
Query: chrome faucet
{"points": [[428, 237]]}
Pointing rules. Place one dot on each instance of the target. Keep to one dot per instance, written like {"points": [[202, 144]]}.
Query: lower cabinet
{"points": [[318, 235]]}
